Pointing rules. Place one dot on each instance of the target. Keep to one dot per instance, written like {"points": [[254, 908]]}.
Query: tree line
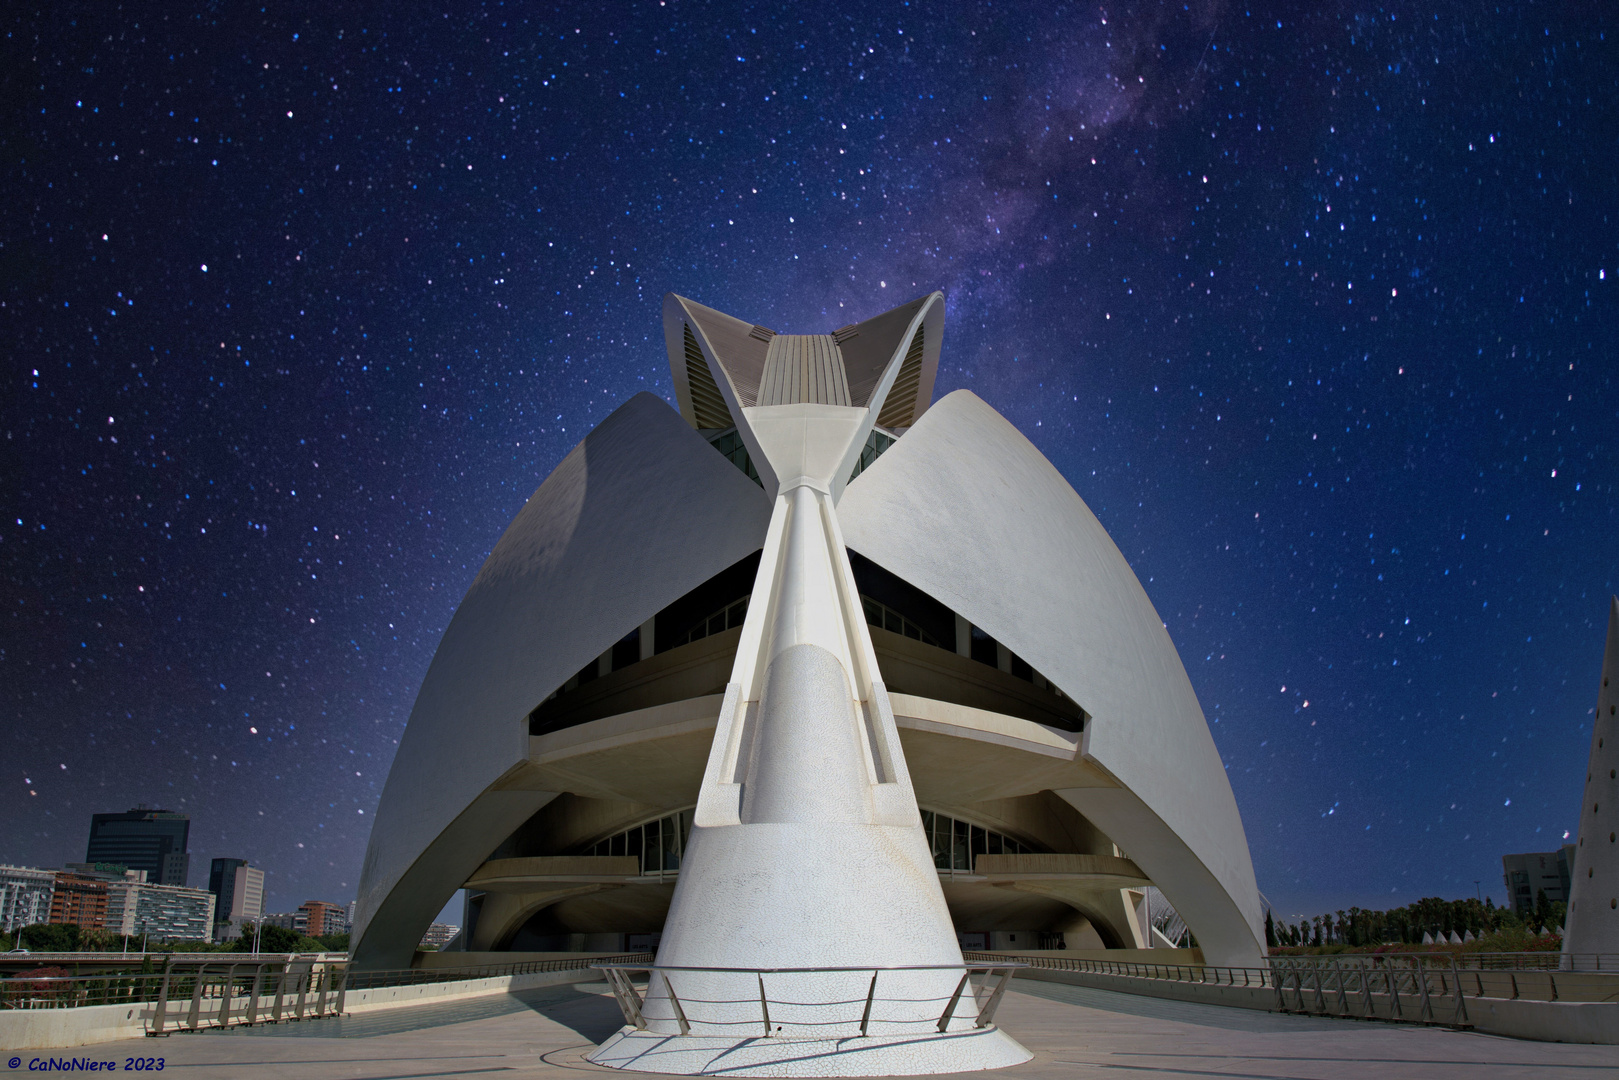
{"points": [[1358, 927], [65, 937]]}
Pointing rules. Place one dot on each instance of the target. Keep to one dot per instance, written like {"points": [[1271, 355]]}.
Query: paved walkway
{"points": [[1073, 1032]]}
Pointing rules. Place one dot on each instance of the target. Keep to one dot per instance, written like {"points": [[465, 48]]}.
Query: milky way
{"points": [[1314, 308]]}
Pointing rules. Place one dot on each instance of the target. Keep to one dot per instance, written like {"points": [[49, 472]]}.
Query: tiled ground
{"points": [[1072, 1031]]}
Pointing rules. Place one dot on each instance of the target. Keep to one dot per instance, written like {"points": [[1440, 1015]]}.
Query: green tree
{"points": [[50, 937], [276, 939], [1270, 931]]}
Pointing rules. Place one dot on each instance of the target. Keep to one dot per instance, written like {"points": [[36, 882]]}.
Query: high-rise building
{"points": [[238, 890], [78, 900], [25, 897], [1528, 873], [322, 918], [143, 839]]}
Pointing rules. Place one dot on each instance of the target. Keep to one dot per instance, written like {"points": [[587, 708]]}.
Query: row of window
{"points": [[879, 615], [732, 448], [876, 443], [726, 618], [658, 844], [886, 618], [730, 445], [957, 844]]}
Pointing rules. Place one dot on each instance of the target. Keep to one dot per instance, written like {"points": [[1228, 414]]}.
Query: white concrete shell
{"points": [[1080, 734], [966, 509], [641, 511], [1593, 907]]}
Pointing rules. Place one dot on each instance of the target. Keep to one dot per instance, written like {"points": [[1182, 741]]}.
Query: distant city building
{"points": [[296, 921], [348, 917], [162, 912], [1528, 873], [25, 897], [143, 839], [321, 918], [77, 900], [439, 935], [118, 880], [238, 891]]}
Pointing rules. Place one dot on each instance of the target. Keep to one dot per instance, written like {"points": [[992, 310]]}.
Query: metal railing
{"points": [[67, 992], [190, 996], [373, 980], [862, 1013], [1428, 988], [1187, 973], [1431, 985], [247, 993]]}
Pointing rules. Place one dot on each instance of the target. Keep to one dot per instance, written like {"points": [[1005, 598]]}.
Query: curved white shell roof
{"points": [[639, 513], [966, 509]]}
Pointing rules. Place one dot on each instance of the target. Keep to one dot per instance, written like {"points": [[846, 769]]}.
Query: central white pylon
{"points": [[807, 850]]}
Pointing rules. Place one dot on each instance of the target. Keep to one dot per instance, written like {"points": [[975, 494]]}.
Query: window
{"points": [[983, 648], [886, 618], [726, 618], [730, 444], [658, 844], [956, 844], [876, 443]]}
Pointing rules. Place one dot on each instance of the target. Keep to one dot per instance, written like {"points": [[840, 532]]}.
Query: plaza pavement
{"points": [[1072, 1031]]}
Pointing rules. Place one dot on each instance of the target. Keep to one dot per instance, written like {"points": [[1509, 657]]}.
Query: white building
{"points": [[439, 935], [25, 897], [160, 912], [814, 673]]}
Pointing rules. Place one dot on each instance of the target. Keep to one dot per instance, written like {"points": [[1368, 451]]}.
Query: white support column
{"points": [[649, 638], [964, 636], [807, 850]]}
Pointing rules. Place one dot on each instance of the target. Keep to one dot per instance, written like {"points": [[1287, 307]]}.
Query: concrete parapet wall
{"points": [[1547, 1021], [1524, 1018], [389, 997], [42, 1029], [1262, 998], [51, 1029]]}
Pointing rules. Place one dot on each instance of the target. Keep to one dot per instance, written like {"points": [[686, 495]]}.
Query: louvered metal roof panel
{"points": [[803, 368]]}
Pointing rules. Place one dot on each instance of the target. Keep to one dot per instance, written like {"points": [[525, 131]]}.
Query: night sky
{"points": [[1313, 305]]}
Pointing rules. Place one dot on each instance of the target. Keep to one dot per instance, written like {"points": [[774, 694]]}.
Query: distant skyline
{"points": [[1313, 308]]}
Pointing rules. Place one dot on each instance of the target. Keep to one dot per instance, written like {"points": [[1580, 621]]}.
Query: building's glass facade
{"points": [[143, 839], [658, 844], [957, 843]]}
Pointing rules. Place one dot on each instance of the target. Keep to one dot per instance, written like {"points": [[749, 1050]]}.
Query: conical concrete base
{"points": [[883, 1055]]}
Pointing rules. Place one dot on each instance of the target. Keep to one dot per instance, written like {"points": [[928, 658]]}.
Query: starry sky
{"points": [[1312, 303]]}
